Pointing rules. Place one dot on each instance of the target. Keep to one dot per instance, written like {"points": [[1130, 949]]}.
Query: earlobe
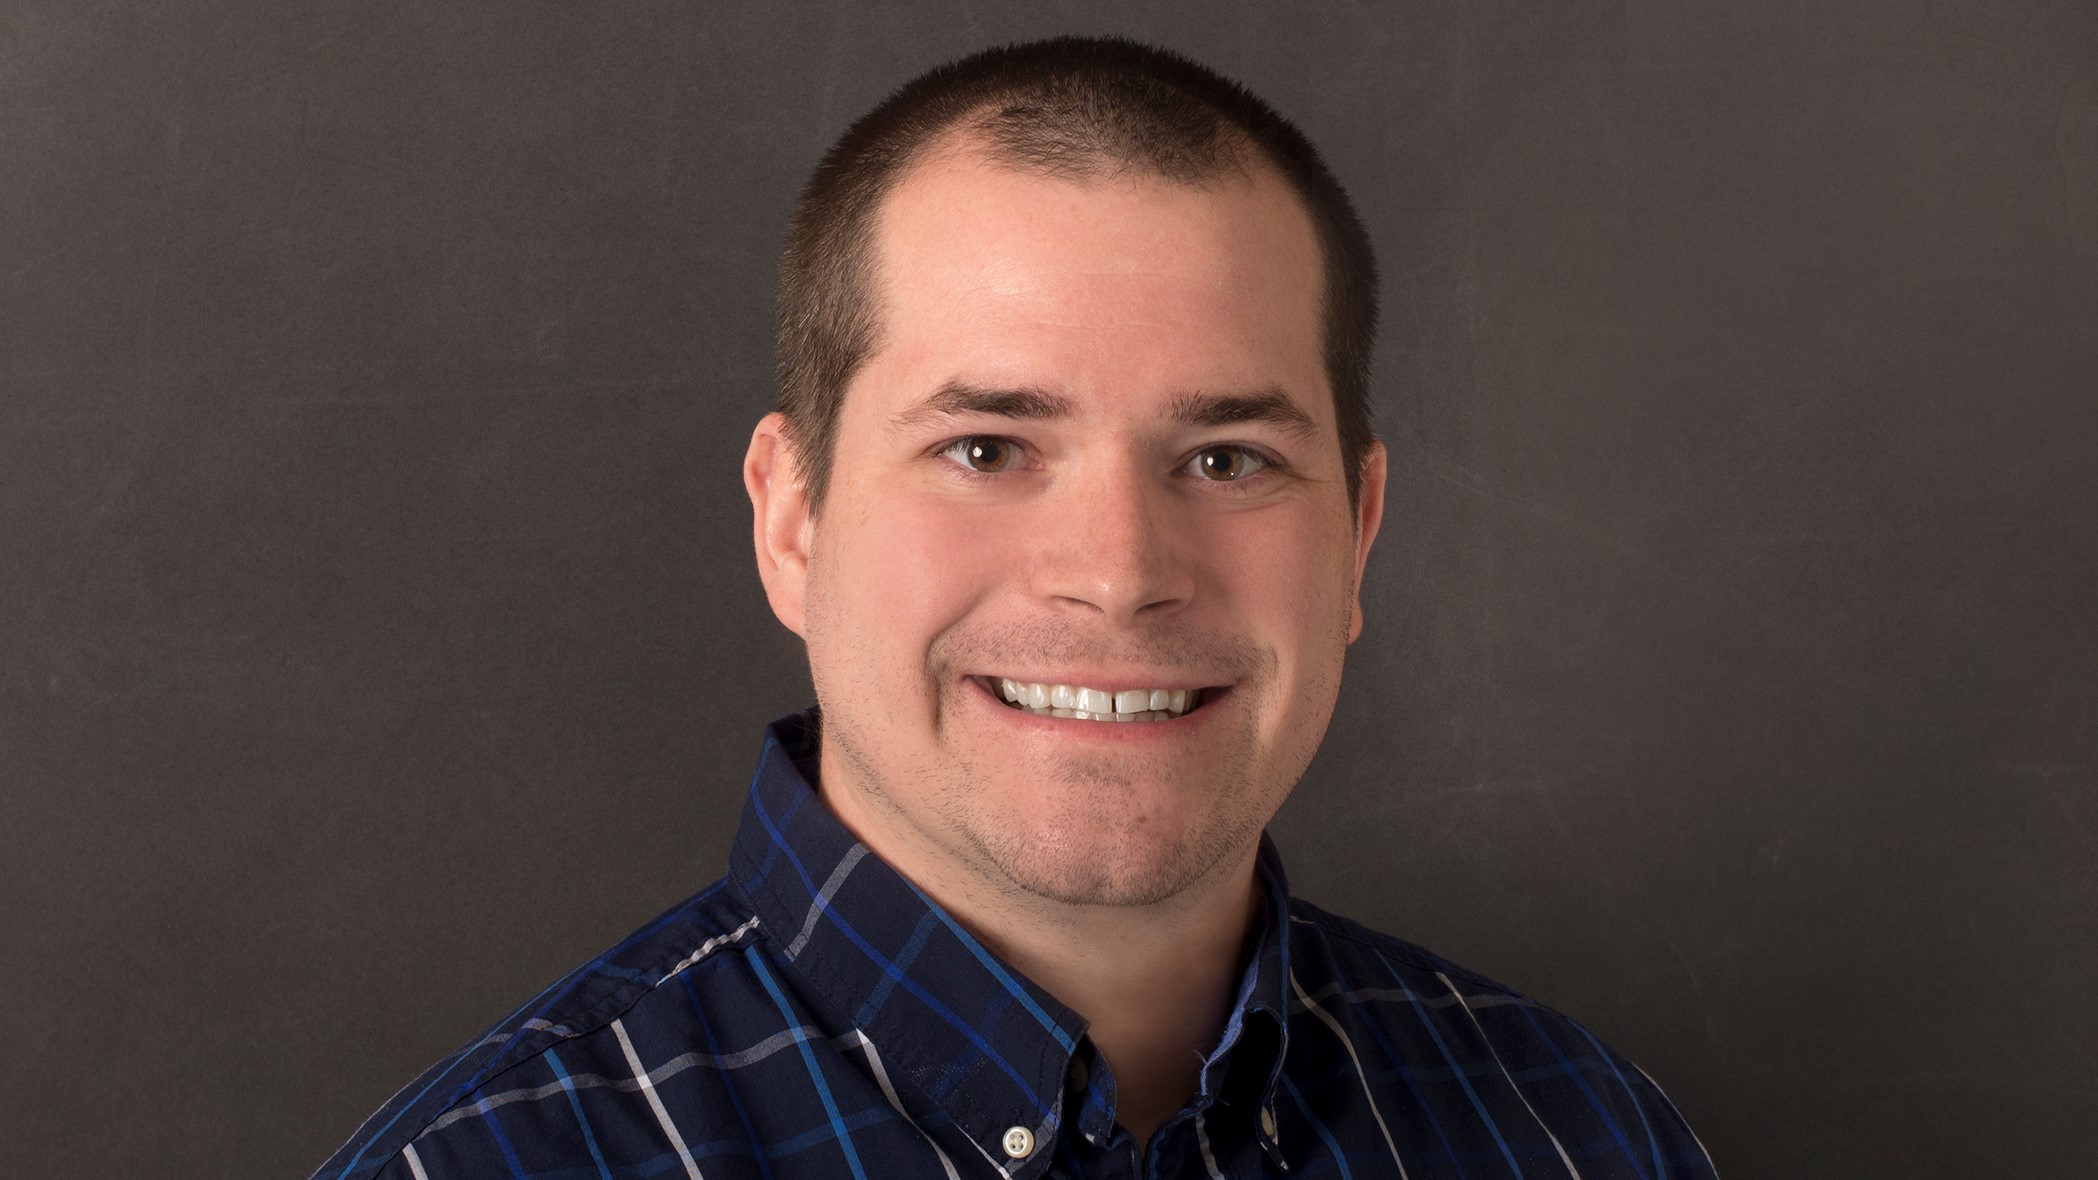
{"points": [[779, 519], [1369, 516]]}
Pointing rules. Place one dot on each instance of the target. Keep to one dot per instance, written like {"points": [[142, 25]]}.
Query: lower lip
{"points": [[1111, 732]]}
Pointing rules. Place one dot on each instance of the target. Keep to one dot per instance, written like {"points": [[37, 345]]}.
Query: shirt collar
{"points": [[936, 1009]]}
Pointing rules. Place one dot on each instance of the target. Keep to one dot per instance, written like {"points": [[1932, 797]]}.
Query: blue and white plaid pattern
{"points": [[814, 1015]]}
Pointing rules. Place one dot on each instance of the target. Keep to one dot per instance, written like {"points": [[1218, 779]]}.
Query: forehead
{"points": [[1118, 284]]}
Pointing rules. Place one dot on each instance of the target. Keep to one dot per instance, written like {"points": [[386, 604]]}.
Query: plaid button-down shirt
{"points": [[815, 1015]]}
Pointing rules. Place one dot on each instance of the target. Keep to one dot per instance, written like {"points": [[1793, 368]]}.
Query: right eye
{"points": [[984, 453]]}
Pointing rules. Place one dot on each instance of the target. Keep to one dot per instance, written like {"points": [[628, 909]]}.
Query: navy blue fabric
{"points": [[814, 1015]]}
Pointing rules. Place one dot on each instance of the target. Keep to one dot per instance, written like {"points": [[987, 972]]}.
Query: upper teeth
{"points": [[1098, 704]]}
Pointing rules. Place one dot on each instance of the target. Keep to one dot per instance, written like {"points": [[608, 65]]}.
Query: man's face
{"points": [[1094, 447]]}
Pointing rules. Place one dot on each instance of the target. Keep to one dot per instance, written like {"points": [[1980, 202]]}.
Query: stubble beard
{"points": [[1090, 839], [1096, 848]]}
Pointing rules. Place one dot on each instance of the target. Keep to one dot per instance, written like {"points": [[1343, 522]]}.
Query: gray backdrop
{"points": [[379, 634]]}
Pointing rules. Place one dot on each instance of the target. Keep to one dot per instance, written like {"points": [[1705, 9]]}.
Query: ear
{"points": [[1369, 514], [779, 506]]}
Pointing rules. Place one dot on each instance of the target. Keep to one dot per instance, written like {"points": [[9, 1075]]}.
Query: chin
{"points": [[1101, 856], [1096, 881]]}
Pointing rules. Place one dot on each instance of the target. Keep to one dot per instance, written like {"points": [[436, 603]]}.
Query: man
{"points": [[1069, 494]]}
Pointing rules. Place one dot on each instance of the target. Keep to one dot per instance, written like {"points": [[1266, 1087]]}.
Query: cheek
{"points": [[1290, 585], [1292, 575], [897, 573]]}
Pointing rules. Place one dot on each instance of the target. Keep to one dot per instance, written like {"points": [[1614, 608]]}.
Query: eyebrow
{"points": [[956, 399], [1269, 406]]}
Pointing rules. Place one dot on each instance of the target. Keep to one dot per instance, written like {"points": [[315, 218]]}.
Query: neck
{"points": [[1155, 983]]}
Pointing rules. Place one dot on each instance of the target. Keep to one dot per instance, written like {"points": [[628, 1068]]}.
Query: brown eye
{"points": [[984, 454], [1226, 464]]}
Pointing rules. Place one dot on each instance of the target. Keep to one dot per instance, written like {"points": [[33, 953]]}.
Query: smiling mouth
{"points": [[1096, 704]]}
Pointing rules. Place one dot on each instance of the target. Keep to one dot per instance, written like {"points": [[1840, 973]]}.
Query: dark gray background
{"points": [[379, 635]]}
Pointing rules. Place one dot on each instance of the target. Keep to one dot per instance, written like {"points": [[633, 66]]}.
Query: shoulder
{"points": [[687, 940], [1340, 951], [1339, 966], [1370, 994]]}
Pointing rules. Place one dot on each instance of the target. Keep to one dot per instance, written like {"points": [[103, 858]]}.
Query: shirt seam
{"points": [[581, 1026]]}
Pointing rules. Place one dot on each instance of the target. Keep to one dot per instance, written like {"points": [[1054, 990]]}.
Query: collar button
{"points": [[1018, 1142]]}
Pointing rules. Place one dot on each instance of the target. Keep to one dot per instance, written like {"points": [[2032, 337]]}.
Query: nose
{"points": [[1111, 543]]}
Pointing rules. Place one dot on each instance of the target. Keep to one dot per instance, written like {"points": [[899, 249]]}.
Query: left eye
{"points": [[1226, 464]]}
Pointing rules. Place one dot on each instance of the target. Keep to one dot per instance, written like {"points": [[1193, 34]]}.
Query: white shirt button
{"points": [[1019, 1142]]}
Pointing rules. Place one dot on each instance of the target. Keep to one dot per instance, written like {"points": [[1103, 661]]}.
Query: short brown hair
{"points": [[1070, 107]]}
